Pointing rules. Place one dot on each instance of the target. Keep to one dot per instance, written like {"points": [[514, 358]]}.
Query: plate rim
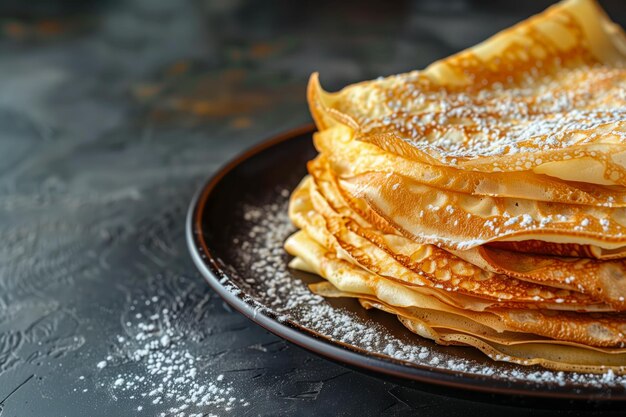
{"points": [[207, 263]]}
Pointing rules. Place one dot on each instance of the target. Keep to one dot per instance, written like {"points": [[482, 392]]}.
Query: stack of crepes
{"points": [[482, 200]]}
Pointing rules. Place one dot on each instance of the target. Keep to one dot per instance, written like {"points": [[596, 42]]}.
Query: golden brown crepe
{"points": [[544, 96], [482, 200]]}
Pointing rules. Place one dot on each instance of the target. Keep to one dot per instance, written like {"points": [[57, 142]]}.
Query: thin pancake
{"points": [[575, 250], [460, 221], [545, 96], [520, 348], [603, 280], [598, 329], [348, 157]]}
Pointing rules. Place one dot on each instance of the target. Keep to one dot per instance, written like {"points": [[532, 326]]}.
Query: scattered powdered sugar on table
{"points": [[164, 371], [263, 280]]}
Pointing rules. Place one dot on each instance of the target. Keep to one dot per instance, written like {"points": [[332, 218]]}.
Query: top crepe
{"points": [[547, 95]]}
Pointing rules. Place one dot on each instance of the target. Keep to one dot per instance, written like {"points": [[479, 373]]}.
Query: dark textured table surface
{"points": [[112, 113]]}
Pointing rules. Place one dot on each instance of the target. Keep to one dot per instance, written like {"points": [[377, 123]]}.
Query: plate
{"points": [[236, 225]]}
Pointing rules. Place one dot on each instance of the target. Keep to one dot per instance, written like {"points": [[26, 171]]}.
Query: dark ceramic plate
{"points": [[235, 228]]}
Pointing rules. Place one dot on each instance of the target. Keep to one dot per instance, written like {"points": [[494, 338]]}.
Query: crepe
{"points": [[482, 200], [544, 96], [433, 215], [349, 157], [520, 348]]}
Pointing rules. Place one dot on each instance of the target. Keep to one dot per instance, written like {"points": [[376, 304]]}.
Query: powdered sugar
{"points": [[165, 372]]}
